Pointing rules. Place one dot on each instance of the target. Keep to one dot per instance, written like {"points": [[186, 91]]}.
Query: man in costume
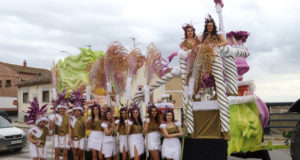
{"points": [[60, 124], [38, 133], [77, 125]]}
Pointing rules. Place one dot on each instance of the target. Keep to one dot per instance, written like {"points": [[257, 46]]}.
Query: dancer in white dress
{"points": [[171, 147], [152, 132], [96, 134], [109, 143], [135, 131], [123, 137]]}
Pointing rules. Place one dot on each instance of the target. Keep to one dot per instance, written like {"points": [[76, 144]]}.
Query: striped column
{"points": [[187, 102], [163, 80], [217, 71]]}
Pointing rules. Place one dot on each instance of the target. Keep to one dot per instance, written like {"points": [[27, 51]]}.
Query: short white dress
{"points": [[122, 137], [153, 136], [136, 139], [96, 135], [109, 145], [171, 147]]}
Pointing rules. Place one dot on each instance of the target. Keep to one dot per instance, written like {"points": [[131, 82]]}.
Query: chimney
{"points": [[24, 63]]}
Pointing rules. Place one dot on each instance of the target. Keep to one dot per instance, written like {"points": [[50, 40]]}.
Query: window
{"points": [[0, 84], [25, 97], [45, 96], [8, 83]]}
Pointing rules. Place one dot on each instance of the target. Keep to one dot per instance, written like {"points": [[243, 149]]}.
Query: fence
{"points": [[267, 129]]}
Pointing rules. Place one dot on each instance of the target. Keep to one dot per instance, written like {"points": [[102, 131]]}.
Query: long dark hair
{"points": [[156, 118], [122, 120], [139, 120], [209, 19], [95, 105], [108, 110], [165, 115]]}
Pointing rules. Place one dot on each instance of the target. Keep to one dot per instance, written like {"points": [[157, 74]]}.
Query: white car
{"points": [[11, 137]]}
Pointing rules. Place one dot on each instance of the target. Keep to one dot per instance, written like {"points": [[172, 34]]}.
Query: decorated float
{"points": [[222, 114]]}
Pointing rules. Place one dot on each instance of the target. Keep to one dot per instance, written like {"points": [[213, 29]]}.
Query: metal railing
{"points": [[267, 129]]}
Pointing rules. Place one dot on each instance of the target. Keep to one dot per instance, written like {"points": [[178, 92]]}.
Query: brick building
{"points": [[10, 75]]}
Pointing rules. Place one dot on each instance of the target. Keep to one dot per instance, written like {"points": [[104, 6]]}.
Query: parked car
{"points": [[5, 115], [11, 137]]}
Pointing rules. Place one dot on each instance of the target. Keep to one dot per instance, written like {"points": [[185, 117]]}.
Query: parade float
{"points": [[222, 114]]}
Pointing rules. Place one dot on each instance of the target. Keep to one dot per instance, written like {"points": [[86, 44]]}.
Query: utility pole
{"points": [[133, 38]]}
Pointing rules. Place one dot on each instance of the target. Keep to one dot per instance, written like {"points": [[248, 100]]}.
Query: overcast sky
{"points": [[37, 30]]}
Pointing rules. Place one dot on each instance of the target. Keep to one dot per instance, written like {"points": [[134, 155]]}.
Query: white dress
{"points": [[171, 147], [153, 139], [109, 146], [122, 139], [95, 140], [136, 140], [37, 152]]}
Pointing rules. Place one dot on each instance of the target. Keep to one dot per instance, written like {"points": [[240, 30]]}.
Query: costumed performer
{"points": [[60, 124], [152, 130], [95, 139], [38, 134], [171, 129], [121, 128], [77, 127], [135, 131], [191, 41], [205, 56], [108, 125]]}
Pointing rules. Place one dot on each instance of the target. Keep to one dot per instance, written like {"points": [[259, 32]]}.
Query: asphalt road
{"points": [[24, 153]]}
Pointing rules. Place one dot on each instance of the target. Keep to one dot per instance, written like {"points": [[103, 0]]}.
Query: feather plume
{"points": [[62, 99], [54, 75], [119, 82], [116, 59], [35, 112], [77, 98], [152, 63], [135, 61], [97, 76]]}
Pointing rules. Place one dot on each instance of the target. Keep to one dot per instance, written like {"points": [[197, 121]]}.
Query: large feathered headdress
{"points": [[61, 101], [77, 99], [134, 107], [36, 113], [209, 19]]}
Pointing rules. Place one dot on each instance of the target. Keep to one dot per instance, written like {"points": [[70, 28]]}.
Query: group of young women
{"points": [[127, 136], [131, 136]]}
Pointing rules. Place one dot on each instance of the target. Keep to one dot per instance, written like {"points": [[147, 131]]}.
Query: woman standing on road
{"points": [[171, 129], [152, 132], [96, 134]]}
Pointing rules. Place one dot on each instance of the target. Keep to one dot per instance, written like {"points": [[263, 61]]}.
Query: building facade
{"points": [[10, 75]]}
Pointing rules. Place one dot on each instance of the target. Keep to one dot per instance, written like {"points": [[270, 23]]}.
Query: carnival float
{"points": [[221, 113]]}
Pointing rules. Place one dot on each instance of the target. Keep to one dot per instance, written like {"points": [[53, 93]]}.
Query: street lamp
{"points": [[66, 52]]}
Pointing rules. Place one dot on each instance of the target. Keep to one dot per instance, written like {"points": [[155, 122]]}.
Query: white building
{"points": [[39, 87]]}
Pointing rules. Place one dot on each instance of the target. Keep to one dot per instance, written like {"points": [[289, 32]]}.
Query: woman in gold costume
{"points": [[96, 136], [121, 128], [191, 41], [152, 132], [171, 129], [205, 53], [135, 131]]}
